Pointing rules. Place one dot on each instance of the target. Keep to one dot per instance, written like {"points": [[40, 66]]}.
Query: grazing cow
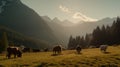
{"points": [[13, 50], [78, 49], [57, 49], [103, 48]]}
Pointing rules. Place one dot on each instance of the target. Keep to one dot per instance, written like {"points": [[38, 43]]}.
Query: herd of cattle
{"points": [[56, 50]]}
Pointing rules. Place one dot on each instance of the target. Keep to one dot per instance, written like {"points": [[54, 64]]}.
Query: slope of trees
{"points": [[13, 38], [105, 35], [4, 42]]}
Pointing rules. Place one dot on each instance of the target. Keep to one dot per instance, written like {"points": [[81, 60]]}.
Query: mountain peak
{"points": [[67, 21], [46, 18], [56, 20], [107, 18]]}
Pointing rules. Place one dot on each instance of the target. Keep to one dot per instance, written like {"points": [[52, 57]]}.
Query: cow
{"points": [[78, 49], [103, 48], [13, 50], [57, 49]]}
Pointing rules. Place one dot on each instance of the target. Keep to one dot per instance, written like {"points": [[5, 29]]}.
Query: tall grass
{"points": [[69, 58]]}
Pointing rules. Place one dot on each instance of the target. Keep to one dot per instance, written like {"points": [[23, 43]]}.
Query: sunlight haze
{"points": [[75, 10]]}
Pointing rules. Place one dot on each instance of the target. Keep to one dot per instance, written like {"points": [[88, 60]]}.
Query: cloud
{"points": [[82, 17], [75, 14], [65, 9]]}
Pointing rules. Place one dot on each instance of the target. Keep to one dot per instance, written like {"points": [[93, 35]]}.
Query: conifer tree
{"points": [[4, 41]]}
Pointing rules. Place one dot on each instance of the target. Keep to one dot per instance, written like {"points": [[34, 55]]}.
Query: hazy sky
{"points": [[76, 10]]}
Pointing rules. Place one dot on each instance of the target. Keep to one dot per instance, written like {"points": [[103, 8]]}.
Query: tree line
{"points": [[109, 35], [11, 38]]}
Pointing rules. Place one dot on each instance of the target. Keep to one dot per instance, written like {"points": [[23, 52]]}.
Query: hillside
{"points": [[63, 29], [19, 39], [17, 16], [87, 58], [59, 30]]}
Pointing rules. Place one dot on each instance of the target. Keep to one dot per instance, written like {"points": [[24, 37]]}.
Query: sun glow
{"points": [[76, 15]]}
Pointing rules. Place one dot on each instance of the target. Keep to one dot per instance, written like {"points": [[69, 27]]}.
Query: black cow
{"points": [[78, 49], [13, 50]]}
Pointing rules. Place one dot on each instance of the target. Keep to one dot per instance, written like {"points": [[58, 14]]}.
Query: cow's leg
{"points": [[58, 52], [104, 50], [55, 52], [19, 54], [78, 51], [15, 55], [9, 55]]}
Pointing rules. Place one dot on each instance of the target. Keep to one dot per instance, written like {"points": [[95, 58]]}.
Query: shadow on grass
{"points": [[56, 54], [78, 53], [25, 65], [106, 52], [43, 64], [18, 65], [3, 59], [2, 66], [108, 65]]}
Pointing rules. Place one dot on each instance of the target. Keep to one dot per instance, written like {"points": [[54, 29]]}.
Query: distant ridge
{"points": [[19, 17]]}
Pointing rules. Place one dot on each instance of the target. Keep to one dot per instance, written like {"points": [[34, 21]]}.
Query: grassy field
{"points": [[69, 58]]}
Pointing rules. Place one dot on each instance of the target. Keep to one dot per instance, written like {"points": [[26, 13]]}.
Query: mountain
{"points": [[63, 23], [67, 23], [63, 29], [87, 27], [22, 19], [57, 28]]}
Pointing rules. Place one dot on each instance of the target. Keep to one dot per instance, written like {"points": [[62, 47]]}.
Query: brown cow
{"points": [[103, 48], [57, 49]]}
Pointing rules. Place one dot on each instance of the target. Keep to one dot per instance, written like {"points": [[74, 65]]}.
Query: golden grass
{"points": [[69, 58]]}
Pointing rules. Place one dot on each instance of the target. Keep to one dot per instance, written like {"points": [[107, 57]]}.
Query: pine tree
{"points": [[88, 39], [96, 37], [108, 35], [70, 44], [4, 41], [1, 46]]}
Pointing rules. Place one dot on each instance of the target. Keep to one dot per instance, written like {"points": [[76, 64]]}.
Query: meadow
{"points": [[69, 58]]}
